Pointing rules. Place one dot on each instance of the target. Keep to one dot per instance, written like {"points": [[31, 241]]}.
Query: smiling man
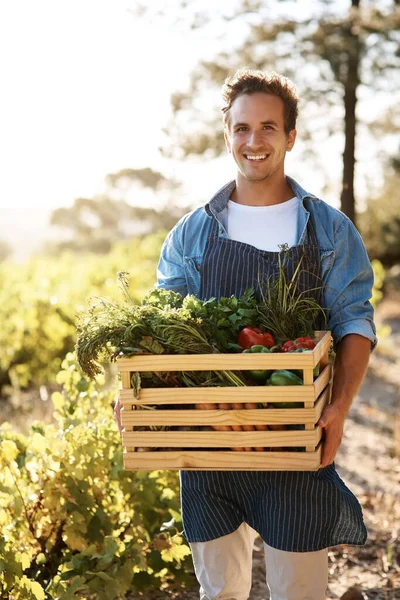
{"points": [[220, 249], [257, 135]]}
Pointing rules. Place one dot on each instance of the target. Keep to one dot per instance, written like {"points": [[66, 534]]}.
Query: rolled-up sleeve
{"points": [[170, 270], [348, 287]]}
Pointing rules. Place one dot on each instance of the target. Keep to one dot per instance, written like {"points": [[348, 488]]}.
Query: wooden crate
{"points": [[312, 397]]}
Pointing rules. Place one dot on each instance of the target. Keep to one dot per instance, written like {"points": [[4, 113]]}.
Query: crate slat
{"points": [[322, 401], [257, 416], [322, 380], [224, 460], [219, 394], [229, 394], [322, 348], [218, 417], [213, 362], [220, 439], [126, 380]]}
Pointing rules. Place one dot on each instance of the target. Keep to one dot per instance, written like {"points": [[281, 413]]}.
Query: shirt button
{"points": [[221, 231]]}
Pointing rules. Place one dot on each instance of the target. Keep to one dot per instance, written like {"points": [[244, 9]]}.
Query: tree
{"points": [[380, 223], [339, 54], [94, 224]]}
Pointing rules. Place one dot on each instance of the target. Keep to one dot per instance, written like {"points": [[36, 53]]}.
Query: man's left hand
{"points": [[332, 421]]}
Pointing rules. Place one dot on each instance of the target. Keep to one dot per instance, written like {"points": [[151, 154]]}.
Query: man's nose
{"points": [[255, 139]]}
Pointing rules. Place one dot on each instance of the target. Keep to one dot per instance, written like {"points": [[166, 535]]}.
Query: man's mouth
{"points": [[256, 157]]}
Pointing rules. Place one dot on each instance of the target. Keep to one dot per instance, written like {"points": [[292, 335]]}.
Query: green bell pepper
{"points": [[284, 377], [260, 376]]}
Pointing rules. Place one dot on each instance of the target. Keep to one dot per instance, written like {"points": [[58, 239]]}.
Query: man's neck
{"points": [[261, 193]]}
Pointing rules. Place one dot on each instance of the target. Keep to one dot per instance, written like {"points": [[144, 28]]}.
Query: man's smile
{"points": [[256, 157]]}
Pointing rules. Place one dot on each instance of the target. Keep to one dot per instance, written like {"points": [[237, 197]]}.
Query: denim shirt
{"points": [[347, 275]]}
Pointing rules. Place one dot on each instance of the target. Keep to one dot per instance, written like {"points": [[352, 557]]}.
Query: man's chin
{"points": [[256, 178]]}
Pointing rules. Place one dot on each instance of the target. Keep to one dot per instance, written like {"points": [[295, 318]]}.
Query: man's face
{"points": [[255, 135]]}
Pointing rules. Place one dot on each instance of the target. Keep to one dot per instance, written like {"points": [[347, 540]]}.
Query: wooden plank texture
{"points": [[125, 380], [218, 417], [215, 362], [224, 461], [205, 362], [322, 380], [323, 401], [220, 394], [230, 394], [220, 439], [322, 348]]}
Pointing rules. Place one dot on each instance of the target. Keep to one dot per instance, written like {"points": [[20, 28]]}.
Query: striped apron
{"points": [[297, 511]]}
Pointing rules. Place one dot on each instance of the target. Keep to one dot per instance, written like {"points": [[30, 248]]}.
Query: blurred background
{"points": [[111, 130]]}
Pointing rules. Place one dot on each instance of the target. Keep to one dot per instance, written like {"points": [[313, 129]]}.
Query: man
{"points": [[219, 250]]}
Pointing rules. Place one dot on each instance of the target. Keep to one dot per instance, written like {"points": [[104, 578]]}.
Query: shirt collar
{"points": [[219, 201]]}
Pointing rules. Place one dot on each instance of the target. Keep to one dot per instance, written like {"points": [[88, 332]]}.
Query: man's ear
{"points": [[227, 140], [291, 138]]}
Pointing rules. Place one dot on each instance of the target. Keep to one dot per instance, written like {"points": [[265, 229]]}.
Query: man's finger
{"points": [[329, 451]]}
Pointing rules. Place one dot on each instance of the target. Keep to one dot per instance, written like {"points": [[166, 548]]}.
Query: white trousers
{"points": [[223, 568]]}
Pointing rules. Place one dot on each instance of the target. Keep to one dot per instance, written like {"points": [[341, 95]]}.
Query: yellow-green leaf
{"points": [[9, 449]]}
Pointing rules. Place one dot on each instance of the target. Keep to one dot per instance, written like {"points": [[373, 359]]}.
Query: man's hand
{"points": [[350, 367], [332, 420], [117, 414]]}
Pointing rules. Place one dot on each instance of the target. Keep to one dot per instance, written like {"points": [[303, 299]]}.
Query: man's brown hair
{"points": [[250, 81]]}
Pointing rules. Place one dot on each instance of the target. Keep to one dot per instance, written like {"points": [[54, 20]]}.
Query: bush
{"points": [[40, 299], [74, 523]]}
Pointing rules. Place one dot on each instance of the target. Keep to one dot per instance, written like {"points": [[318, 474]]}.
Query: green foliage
{"points": [[72, 521], [383, 331], [165, 322], [286, 309], [380, 223], [40, 299], [379, 278]]}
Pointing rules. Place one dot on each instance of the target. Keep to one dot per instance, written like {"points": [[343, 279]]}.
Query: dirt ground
{"points": [[369, 463]]}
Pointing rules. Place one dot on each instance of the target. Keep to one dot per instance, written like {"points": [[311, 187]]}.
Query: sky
{"points": [[72, 111], [86, 88]]}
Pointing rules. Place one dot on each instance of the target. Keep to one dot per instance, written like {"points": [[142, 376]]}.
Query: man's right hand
{"points": [[117, 414]]}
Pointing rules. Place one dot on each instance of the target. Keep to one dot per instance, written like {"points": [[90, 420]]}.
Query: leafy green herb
{"points": [[164, 323], [287, 310]]}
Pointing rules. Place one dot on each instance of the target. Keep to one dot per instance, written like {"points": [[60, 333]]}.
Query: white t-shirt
{"points": [[265, 227]]}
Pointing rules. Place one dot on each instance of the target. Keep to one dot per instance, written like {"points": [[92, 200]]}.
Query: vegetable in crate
{"points": [[301, 343], [286, 309], [251, 336], [164, 323], [285, 377], [258, 375]]}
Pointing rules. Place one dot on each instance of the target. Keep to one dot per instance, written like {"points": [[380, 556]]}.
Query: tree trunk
{"points": [[351, 83]]}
